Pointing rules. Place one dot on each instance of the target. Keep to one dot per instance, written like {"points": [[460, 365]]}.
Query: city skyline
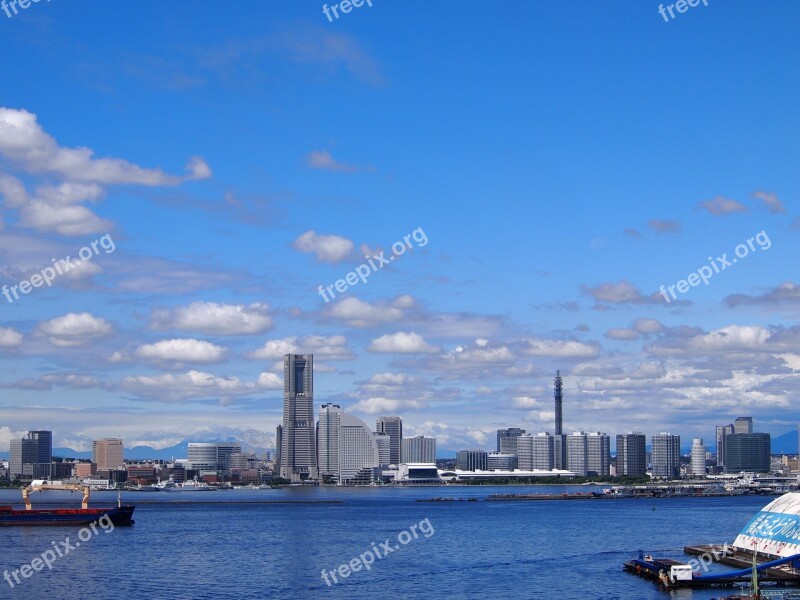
{"points": [[184, 215]]}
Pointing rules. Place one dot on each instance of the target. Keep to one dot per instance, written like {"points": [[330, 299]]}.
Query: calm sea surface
{"points": [[223, 545]]}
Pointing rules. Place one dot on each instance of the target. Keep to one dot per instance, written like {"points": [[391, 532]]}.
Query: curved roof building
{"points": [[775, 530]]}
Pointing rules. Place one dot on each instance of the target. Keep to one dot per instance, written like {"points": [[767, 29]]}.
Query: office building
{"points": [[666, 455], [722, 431], [501, 461], [471, 460], [698, 458], [631, 454], [535, 452], [747, 452], [393, 427], [419, 449], [107, 454], [32, 456], [384, 442], [212, 458], [328, 440], [506, 439], [298, 454], [743, 425]]}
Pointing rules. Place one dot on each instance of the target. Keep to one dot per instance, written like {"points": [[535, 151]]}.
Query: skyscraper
{"points": [[358, 450], [107, 454], [32, 456], [666, 455], [506, 439], [743, 425], [328, 440], [631, 454], [472, 460], [535, 452], [748, 452], [393, 427], [722, 431], [698, 457], [384, 449], [598, 454], [419, 449], [298, 457]]}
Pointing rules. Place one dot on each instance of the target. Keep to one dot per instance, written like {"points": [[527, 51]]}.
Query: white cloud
{"points": [[402, 343], [374, 406], [322, 159], [326, 348], [10, 338], [722, 206], [182, 350], [327, 248], [559, 349], [212, 318], [196, 385], [770, 201], [358, 313], [75, 329]]}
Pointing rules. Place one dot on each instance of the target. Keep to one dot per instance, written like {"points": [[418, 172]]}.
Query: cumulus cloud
{"points": [[787, 293], [770, 201], [402, 343], [196, 385], [327, 248], [620, 293], [212, 318], [10, 338], [616, 333], [375, 406], [720, 206], [182, 350], [326, 348], [74, 329], [358, 313], [559, 348]]}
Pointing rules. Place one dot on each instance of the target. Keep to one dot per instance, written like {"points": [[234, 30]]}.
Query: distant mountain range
{"points": [[783, 444]]}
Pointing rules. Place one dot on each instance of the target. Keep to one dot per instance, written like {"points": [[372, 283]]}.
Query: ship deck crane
{"points": [[42, 485]]}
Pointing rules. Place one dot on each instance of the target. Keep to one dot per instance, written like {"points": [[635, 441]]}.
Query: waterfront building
{"points": [[535, 452], [384, 442], [722, 431], [419, 449], [358, 451], [418, 473], [589, 454], [666, 455], [107, 454], [212, 458], [501, 461], [472, 460], [32, 456], [747, 452], [698, 458], [506, 439], [298, 453], [743, 425], [328, 440], [631, 454], [393, 427], [576, 454]]}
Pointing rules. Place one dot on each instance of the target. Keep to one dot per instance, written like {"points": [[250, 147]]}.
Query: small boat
{"points": [[9, 516], [187, 486]]}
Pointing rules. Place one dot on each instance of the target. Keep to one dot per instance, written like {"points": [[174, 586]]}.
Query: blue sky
{"points": [[563, 161]]}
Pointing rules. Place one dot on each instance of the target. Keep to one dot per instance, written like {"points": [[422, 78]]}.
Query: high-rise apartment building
{"points": [[631, 454], [393, 427], [107, 454], [666, 455], [328, 440], [419, 449], [506, 439], [298, 455], [535, 452], [598, 454], [698, 458]]}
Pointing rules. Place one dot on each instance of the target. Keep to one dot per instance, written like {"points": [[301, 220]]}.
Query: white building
{"points": [[419, 449], [698, 458], [212, 458], [348, 451]]}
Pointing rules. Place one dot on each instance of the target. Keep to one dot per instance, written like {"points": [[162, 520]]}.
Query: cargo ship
{"points": [[121, 515]]}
